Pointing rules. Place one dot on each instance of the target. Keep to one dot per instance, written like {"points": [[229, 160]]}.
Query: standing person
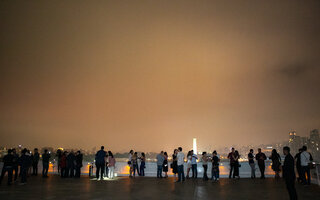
{"points": [[111, 164], [143, 163], [204, 161], [194, 159], [71, 159], [160, 160], [236, 164], [276, 163], [135, 164], [180, 161], [100, 162], [289, 173], [130, 163], [252, 164], [189, 158], [7, 166], [298, 164], [106, 165], [25, 162], [215, 172], [59, 154], [232, 162], [305, 158], [63, 165], [165, 164], [35, 161], [79, 159], [15, 164], [261, 157], [45, 163], [174, 164]]}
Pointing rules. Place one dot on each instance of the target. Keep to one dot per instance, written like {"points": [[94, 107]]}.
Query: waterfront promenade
{"points": [[152, 188]]}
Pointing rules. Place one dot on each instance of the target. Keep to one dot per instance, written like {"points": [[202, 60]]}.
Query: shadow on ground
{"points": [[151, 188]]}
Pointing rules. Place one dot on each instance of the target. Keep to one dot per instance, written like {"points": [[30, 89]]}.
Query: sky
{"points": [[152, 75]]}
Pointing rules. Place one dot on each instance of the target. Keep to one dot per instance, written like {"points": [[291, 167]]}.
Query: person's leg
{"points": [[217, 173], [196, 170], [231, 169], [23, 175], [262, 170], [160, 171], [15, 168], [43, 169], [308, 175], [192, 168], [47, 168], [291, 189], [212, 173], [97, 171], [182, 174], [179, 173], [102, 171], [9, 170], [205, 168]]}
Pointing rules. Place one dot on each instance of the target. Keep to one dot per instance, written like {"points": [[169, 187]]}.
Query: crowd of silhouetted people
{"points": [[70, 164], [25, 164]]}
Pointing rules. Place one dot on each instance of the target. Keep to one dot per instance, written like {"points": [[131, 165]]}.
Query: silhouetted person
{"points": [[45, 163], [106, 174], [306, 159], [276, 163], [25, 162], [165, 166], [71, 159], [130, 163], [63, 165], [231, 157], [236, 165], [252, 164], [35, 161], [79, 158], [100, 162], [7, 167], [289, 174], [194, 167], [15, 164], [160, 159], [59, 155], [180, 162], [174, 164], [261, 157], [215, 172], [142, 164], [298, 165], [204, 161]]}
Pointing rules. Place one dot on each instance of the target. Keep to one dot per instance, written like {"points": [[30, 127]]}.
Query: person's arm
{"points": [[311, 159]]}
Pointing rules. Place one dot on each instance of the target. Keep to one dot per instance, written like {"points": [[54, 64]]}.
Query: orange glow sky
{"points": [[152, 75]]}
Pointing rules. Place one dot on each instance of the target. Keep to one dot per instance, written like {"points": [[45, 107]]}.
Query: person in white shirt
{"points": [[305, 159], [180, 160]]}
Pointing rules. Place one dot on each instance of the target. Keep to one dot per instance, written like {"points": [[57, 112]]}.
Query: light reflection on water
{"points": [[122, 169]]}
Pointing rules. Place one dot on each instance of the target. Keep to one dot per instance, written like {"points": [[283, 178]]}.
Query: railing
{"points": [[316, 174]]}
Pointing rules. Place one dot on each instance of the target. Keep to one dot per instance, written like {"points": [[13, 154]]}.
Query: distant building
{"points": [[195, 151], [313, 142]]}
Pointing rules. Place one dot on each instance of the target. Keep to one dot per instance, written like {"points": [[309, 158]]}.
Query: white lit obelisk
{"points": [[195, 151]]}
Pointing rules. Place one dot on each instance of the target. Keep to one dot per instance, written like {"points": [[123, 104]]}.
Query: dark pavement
{"points": [[151, 188]]}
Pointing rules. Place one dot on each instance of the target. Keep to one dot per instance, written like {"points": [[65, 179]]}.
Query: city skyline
{"points": [[153, 75]]}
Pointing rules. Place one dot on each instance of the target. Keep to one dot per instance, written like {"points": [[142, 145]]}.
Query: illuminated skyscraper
{"points": [[195, 146]]}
